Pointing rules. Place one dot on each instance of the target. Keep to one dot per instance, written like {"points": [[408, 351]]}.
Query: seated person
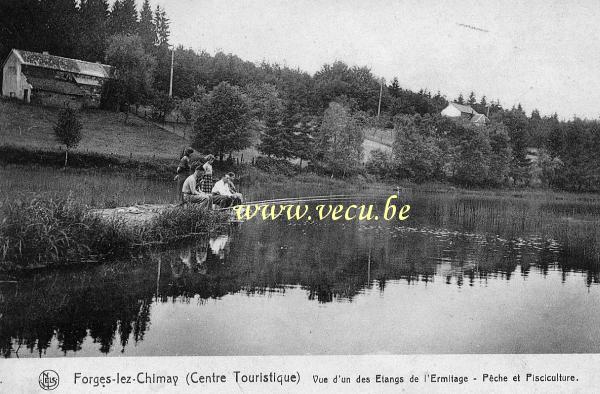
{"points": [[190, 189], [222, 193], [237, 197]]}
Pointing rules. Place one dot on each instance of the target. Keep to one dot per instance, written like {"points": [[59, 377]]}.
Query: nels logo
{"points": [[48, 380]]}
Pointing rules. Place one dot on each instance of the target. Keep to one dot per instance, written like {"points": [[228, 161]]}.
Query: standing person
{"points": [[207, 179], [190, 191], [183, 170]]}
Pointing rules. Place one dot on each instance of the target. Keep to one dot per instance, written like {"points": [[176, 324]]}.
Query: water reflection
{"points": [[258, 267]]}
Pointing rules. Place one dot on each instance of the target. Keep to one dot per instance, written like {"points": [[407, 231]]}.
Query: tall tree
{"points": [[517, 123], [161, 24], [123, 18], [163, 54], [472, 100], [303, 141], [339, 141], [93, 24], [134, 70], [438, 102], [394, 88], [275, 140], [357, 84], [500, 155], [473, 157], [264, 101], [21, 26], [284, 129], [460, 99], [59, 27], [146, 28], [188, 107], [416, 152], [221, 122]]}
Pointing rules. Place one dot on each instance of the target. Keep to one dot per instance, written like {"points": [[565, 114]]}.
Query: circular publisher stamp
{"points": [[48, 380]]}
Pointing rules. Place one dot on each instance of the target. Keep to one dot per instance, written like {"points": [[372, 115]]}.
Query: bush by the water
{"points": [[41, 232]]}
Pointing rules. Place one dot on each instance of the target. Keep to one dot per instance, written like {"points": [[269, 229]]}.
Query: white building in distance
{"points": [[455, 110]]}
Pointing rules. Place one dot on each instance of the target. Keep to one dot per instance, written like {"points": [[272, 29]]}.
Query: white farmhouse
{"points": [[53, 80]]}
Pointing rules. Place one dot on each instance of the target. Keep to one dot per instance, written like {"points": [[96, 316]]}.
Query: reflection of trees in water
{"points": [[111, 303], [71, 305], [334, 264]]}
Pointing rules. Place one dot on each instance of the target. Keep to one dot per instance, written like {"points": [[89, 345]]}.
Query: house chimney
{"points": [[46, 53]]}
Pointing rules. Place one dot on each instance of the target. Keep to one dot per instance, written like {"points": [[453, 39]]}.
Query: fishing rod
{"points": [[311, 198], [340, 197]]}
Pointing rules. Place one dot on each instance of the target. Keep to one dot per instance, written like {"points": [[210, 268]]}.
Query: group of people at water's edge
{"points": [[197, 187]]}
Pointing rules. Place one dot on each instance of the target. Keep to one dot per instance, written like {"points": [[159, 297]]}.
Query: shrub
{"points": [[380, 163], [68, 130], [276, 166]]}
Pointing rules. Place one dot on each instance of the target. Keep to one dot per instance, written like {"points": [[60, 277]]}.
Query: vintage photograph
{"points": [[251, 178]]}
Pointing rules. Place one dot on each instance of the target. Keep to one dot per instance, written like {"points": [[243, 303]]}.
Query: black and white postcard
{"points": [[329, 196]]}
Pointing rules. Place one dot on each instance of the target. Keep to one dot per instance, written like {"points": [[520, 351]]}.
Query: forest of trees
{"points": [[315, 118]]}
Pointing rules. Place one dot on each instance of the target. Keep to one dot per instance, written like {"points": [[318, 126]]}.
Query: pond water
{"points": [[461, 275]]}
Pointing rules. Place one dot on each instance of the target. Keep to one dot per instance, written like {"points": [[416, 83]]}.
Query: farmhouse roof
{"points": [[64, 64]]}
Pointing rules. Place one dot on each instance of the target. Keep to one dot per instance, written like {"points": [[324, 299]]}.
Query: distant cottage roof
{"points": [[456, 110], [479, 118], [64, 64], [464, 108]]}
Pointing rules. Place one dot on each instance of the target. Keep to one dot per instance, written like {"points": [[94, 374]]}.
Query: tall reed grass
{"points": [[574, 226], [54, 231]]}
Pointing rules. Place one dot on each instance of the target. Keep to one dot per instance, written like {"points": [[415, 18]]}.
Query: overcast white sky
{"points": [[542, 53]]}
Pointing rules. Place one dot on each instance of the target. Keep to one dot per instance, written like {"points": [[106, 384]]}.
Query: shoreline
{"points": [[163, 169], [59, 232]]}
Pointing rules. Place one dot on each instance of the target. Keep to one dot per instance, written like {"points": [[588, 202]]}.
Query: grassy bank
{"points": [[108, 181], [104, 132], [153, 168], [49, 232]]}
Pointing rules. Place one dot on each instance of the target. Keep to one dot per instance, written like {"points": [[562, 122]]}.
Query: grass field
{"points": [[106, 133], [103, 132]]}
